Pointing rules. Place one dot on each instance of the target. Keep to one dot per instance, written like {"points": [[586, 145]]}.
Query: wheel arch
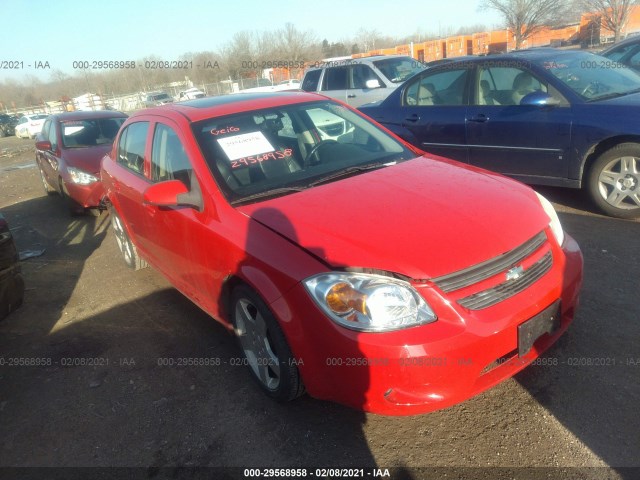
{"points": [[598, 149], [254, 278]]}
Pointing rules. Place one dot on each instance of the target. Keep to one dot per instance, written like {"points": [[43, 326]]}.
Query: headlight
{"points": [[555, 225], [369, 303], [80, 177]]}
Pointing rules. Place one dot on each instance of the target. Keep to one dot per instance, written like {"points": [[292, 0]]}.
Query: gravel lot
{"points": [[580, 413]]}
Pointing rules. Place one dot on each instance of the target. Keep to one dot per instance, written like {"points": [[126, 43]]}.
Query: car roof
{"points": [[353, 61], [84, 115], [626, 41], [533, 54], [207, 107]]}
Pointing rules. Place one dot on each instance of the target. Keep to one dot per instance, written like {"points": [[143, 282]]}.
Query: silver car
{"points": [[361, 80]]}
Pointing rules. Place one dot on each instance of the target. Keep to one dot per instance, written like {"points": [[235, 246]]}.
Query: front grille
{"points": [[482, 271], [509, 288]]}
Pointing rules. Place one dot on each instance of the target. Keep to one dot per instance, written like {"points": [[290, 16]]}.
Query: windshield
{"points": [[160, 96], [87, 133], [398, 69], [291, 147], [594, 77]]}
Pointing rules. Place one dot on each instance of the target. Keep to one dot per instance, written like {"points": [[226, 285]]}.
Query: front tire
{"points": [[126, 246], [265, 346], [73, 207], [614, 181], [49, 190]]}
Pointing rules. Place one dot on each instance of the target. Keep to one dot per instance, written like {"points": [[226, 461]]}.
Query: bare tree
{"points": [[294, 45], [526, 17], [614, 14]]}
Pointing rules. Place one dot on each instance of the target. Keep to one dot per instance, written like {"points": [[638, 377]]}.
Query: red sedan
{"points": [[347, 262], [68, 153]]}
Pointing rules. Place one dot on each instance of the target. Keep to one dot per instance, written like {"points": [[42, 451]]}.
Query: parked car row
{"points": [[334, 248]]}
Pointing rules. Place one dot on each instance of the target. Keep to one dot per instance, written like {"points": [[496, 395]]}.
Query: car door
{"points": [[176, 231], [131, 180], [430, 111], [524, 141]]}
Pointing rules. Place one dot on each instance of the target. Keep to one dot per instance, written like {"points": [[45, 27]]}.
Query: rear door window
{"points": [[446, 87]]}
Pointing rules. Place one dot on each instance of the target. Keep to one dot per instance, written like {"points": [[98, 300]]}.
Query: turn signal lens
{"points": [[342, 298]]}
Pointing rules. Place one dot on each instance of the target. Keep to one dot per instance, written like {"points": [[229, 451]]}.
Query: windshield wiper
{"points": [[268, 193], [614, 95], [349, 171]]}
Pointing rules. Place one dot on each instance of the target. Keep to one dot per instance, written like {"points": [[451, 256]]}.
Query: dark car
{"points": [[626, 52], [11, 281], [7, 124], [546, 117], [68, 154]]}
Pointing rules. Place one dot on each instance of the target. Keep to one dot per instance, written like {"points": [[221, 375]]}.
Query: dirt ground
{"points": [[125, 409]]}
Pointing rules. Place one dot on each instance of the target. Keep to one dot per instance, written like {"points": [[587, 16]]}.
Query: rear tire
{"points": [[264, 346], [126, 246], [614, 181]]}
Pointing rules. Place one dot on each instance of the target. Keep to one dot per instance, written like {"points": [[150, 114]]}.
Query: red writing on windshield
{"points": [[252, 160], [223, 131]]}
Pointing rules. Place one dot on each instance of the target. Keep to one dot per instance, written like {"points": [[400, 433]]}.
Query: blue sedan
{"points": [[546, 117]]}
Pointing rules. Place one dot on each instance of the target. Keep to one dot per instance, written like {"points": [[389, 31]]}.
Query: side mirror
{"points": [[44, 145], [539, 99], [373, 83], [172, 193]]}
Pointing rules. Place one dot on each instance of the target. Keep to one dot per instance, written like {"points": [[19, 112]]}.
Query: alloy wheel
{"points": [[619, 183], [255, 340]]}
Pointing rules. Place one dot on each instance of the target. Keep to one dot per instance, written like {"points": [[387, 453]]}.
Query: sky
{"points": [[35, 33]]}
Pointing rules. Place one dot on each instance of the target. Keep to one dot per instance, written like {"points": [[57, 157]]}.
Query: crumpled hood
{"points": [[422, 218]]}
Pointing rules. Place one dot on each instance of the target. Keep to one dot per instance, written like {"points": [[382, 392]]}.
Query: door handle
{"points": [[412, 118], [480, 118], [351, 95]]}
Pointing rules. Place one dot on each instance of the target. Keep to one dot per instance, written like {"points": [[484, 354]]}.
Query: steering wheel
{"points": [[591, 89], [314, 150]]}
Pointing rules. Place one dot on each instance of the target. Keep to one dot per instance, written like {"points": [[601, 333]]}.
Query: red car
{"points": [[68, 153], [347, 262]]}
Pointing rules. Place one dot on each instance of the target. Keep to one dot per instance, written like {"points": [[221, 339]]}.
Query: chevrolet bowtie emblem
{"points": [[515, 273]]}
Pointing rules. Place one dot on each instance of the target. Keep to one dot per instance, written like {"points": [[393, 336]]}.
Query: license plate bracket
{"points": [[547, 321]]}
